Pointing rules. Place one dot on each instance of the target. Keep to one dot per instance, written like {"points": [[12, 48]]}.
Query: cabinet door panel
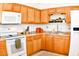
{"points": [[51, 11], [37, 16], [7, 6], [35, 45], [43, 43], [49, 43], [24, 14], [58, 45], [44, 16], [30, 15], [3, 49], [66, 45], [16, 7], [39, 44], [1, 6], [29, 46]]}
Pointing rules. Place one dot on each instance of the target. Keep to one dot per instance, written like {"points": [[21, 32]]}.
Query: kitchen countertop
{"points": [[50, 33]]}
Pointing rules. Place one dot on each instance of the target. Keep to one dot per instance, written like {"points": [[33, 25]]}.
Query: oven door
{"points": [[16, 46]]}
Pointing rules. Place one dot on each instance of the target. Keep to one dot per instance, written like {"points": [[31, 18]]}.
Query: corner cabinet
{"points": [[37, 16], [3, 49], [44, 16]]}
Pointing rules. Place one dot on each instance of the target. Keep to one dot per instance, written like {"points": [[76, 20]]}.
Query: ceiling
{"points": [[49, 5]]}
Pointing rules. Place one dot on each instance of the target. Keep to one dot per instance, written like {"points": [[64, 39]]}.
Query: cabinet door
{"points": [[24, 14], [29, 46], [37, 16], [68, 18], [7, 6], [16, 7], [39, 44], [30, 15], [66, 45], [43, 43], [35, 45], [3, 49], [75, 7], [49, 43], [58, 44], [44, 16], [51, 11], [1, 6], [60, 10]]}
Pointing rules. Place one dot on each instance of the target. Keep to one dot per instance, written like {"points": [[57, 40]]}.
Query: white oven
{"points": [[16, 46]]}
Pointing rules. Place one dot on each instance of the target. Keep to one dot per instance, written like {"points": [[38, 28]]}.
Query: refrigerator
{"points": [[74, 39]]}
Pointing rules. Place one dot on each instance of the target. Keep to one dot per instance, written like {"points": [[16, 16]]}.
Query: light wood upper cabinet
{"points": [[30, 15], [60, 10], [68, 18], [51, 11], [3, 49], [16, 7], [37, 16], [7, 6], [75, 7], [44, 16], [1, 5], [24, 14]]}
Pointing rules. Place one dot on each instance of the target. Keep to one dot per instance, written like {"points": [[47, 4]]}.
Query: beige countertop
{"points": [[50, 33]]}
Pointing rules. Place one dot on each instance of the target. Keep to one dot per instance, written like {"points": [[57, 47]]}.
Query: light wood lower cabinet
{"points": [[29, 47], [53, 43], [3, 49], [33, 44], [49, 43], [43, 42], [61, 44]]}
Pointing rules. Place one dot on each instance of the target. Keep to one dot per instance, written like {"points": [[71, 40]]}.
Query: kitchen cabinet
{"points": [[1, 5], [68, 18], [43, 42], [3, 49], [60, 10], [66, 45], [51, 11], [61, 44], [30, 15], [37, 16], [58, 44], [29, 44], [36, 43], [44, 17], [7, 7], [49, 43], [75, 7], [24, 14], [16, 7]]}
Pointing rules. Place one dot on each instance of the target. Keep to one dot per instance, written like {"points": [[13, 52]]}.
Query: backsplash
{"points": [[32, 27]]}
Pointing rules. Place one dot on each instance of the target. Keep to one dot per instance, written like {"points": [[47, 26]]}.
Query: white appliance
{"points": [[10, 18], [74, 41], [12, 40]]}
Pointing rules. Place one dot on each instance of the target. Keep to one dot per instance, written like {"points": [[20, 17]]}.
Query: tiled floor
{"points": [[46, 53]]}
